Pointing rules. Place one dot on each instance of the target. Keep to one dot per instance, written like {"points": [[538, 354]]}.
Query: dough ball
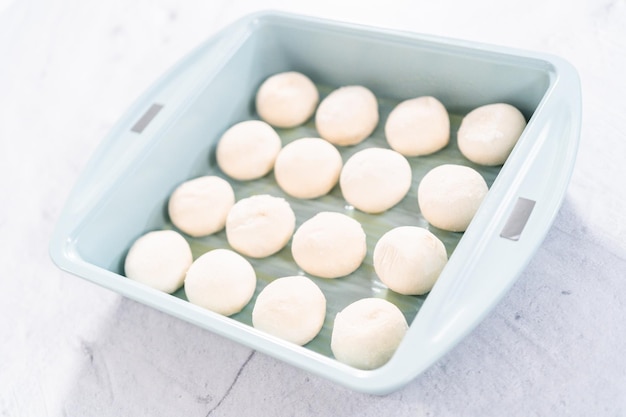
{"points": [[375, 179], [488, 133], [409, 259], [159, 259], [260, 226], [419, 126], [308, 168], [247, 150], [199, 207], [449, 196], [347, 115], [367, 333], [329, 245], [221, 281], [287, 99], [292, 308]]}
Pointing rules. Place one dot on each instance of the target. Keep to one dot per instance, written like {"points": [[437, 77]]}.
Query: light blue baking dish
{"points": [[169, 136]]}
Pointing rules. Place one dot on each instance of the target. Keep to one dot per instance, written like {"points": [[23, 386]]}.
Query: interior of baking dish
{"points": [[170, 134]]}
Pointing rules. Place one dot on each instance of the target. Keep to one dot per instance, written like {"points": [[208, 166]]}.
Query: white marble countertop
{"points": [[68, 69]]}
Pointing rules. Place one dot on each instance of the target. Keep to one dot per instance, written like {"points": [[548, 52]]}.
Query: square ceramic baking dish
{"points": [[169, 136]]}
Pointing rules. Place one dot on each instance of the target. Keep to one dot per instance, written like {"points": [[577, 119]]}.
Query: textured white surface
{"points": [[68, 69]]}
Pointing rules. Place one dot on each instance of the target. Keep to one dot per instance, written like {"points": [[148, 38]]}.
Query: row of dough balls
{"points": [[328, 245], [259, 226], [372, 180], [292, 308], [415, 127]]}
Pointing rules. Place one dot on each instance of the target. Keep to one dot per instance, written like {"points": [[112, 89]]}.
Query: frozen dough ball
{"points": [[329, 245], [287, 99], [367, 333], [419, 126], [347, 115], [247, 150], [409, 259], [375, 179], [159, 259], [292, 308], [221, 281], [260, 226], [199, 207], [308, 168], [488, 133], [449, 196]]}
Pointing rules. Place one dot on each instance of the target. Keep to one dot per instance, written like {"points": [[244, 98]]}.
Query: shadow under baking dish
{"points": [[124, 190]]}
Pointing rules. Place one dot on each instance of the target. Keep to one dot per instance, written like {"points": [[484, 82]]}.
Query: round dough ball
{"points": [[329, 245], [409, 259], [260, 226], [159, 259], [488, 133], [375, 179], [308, 168], [347, 115], [449, 196], [221, 281], [292, 308], [287, 99], [247, 150], [199, 207], [419, 126], [367, 333]]}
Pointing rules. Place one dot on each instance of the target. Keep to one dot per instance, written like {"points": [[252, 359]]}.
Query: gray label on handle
{"points": [[517, 219], [147, 117]]}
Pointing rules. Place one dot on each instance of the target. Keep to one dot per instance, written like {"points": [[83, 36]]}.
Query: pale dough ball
{"points": [[287, 99], [260, 226], [347, 115], [375, 179], [221, 281], [292, 308], [159, 259], [308, 168], [199, 207], [247, 150], [329, 245], [367, 333], [449, 196], [488, 133], [419, 126], [409, 259]]}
